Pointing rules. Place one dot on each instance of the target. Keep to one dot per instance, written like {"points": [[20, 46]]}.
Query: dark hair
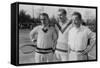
{"points": [[44, 14], [63, 11], [78, 14]]}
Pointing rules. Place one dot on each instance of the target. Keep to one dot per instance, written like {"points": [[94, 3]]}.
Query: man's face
{"points": [[44, 20], [76, 20], [61, 16]]}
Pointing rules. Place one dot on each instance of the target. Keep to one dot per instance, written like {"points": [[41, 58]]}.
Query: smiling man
{"points": [[62, 43], [78, 39], [45, 37]]}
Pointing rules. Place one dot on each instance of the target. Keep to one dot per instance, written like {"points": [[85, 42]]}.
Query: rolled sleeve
{"points": [[91, 35], [34, 33]]}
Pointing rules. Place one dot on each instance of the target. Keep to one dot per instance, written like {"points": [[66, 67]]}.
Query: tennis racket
{"points": [[27, 48]]}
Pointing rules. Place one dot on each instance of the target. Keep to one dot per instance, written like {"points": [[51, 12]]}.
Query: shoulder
{"points": [[52, 28], [70, 23], [72, 29], [37, 27], [85, 28]]}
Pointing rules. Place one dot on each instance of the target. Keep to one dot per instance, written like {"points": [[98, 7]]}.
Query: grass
{"points": [[24, 39]]}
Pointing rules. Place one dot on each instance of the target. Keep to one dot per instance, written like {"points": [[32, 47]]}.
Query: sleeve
{"points": [[55, 37], [33, 33], [92, 37]]}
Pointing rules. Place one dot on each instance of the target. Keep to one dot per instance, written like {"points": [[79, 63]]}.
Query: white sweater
{"points": [[62, 42], [44, 40]]}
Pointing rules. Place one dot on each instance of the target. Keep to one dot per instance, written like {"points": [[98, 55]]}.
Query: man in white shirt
{"points": [[62, 43], [45, 37], [78, 38]]}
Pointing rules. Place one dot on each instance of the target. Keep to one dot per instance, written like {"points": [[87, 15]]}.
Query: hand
{"points": [[34, 41], [83, 52]]}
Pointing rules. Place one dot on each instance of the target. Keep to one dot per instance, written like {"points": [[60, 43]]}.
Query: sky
{"points": [[34, 10]]}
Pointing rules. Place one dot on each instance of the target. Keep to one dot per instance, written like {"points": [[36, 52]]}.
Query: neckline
{"points": [[63, 30]]}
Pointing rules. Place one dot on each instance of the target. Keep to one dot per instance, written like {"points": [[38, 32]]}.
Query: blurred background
{"points": [[29, 18]]}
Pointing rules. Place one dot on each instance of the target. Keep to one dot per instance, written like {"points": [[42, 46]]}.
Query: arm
{"points": [[33, 34], [55, 37], [92, 37]]}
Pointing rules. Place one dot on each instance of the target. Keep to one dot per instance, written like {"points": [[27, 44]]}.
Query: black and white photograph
{"points": [[53, 34]]}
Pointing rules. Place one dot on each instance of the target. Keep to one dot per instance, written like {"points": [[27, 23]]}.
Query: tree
{"points": [[22, 16]]}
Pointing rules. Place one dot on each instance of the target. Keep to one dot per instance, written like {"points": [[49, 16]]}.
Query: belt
{"points": [[61, 50], [44, 50], [76, 50]]}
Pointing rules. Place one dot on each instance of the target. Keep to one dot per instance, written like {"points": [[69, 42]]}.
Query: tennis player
{"points": [[78, 39], [45, 37], [63, 27]]}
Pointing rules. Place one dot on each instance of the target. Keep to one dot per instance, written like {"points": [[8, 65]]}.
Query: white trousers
{"points": [[39, 58], [61, 56], [75, 56]]}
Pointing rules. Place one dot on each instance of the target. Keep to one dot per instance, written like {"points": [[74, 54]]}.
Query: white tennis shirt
{"points": [[78, 37], [44, 40]]}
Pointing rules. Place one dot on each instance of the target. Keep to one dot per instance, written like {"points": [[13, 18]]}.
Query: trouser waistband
{"points": [[44, 50], [61, 50], [76, 50]]}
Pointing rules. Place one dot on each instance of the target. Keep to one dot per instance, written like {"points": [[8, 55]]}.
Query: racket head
{"points": [[27, 48]]}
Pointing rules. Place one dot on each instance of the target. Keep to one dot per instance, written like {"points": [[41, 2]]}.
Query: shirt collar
{"points": [[80, 28]]}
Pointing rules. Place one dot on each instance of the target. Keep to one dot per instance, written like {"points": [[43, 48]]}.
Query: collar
{"points": [[64, 24], [79, 28], [48, 26], [64, 27]]}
